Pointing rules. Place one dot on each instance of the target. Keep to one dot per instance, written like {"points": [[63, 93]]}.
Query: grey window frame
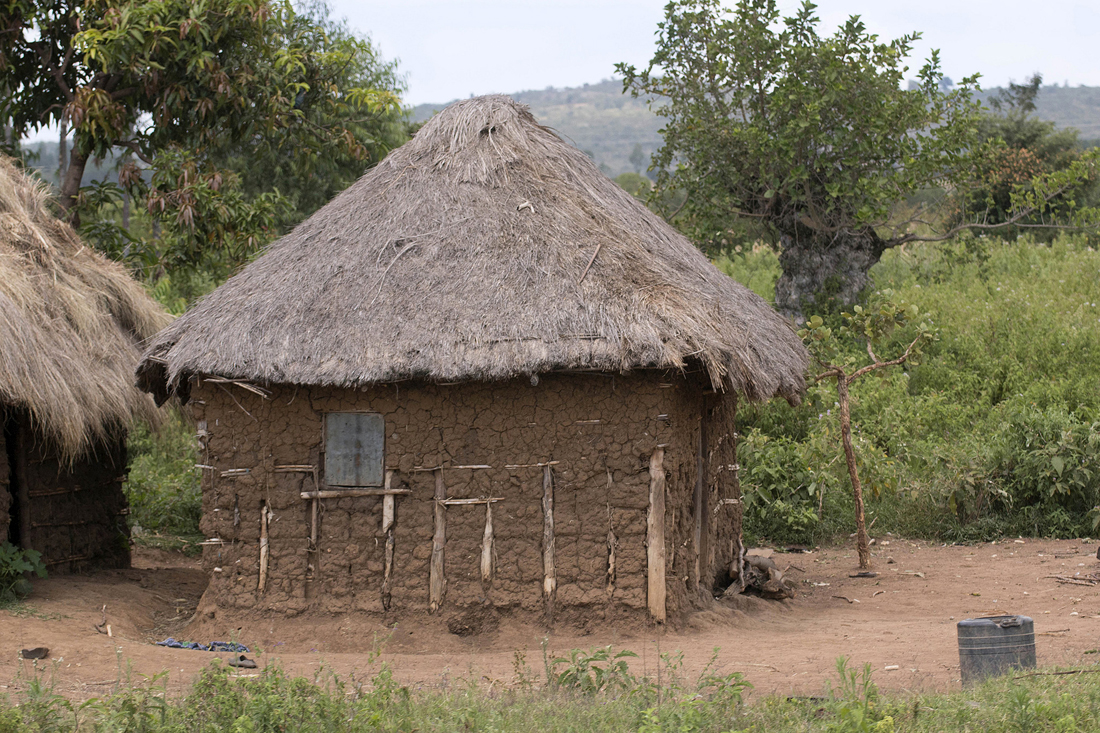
{"points": [[327, 477]]}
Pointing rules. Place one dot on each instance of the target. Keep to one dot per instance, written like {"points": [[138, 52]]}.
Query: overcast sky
{"points": [[453, 48]]}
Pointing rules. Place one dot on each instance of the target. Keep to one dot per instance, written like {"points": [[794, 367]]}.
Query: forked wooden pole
{"points": [[437, 584], [549, 576], [655, 536]]}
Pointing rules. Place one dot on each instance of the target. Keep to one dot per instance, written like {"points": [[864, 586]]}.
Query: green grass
{"points": [[275, 701]]}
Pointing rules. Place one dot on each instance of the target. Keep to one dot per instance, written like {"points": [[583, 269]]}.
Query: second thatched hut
{"points": [[71, 325], [482, 379]]}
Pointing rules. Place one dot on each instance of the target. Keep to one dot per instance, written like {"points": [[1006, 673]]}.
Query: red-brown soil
{"points": [[905, 616]]}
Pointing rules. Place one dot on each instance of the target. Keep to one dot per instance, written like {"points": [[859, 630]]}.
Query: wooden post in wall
{"points": [[437, 584], [388, 501], [549, 575], [655, 536], [264, 551], [487, 546]]}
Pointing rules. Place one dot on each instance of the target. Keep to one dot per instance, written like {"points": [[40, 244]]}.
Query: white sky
{"points": [[452, 48]]}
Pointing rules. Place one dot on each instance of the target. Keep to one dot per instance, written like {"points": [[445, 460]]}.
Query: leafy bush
{"points": [[592, 672], [163, 486], [15, 564], [992, 433]]}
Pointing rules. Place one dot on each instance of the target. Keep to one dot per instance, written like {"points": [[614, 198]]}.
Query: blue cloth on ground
{"points": [[214, 646]]}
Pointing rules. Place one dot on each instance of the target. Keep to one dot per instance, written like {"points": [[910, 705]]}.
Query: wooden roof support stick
{"points": [[487, 547], [388, 501], [549, 576], [437, 584], [655, 536]]}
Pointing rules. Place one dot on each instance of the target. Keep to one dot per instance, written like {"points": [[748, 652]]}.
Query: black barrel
{"points": [[992, 646]]}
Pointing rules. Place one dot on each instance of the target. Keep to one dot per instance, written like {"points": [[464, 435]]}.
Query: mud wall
{"points": [[74, 514], [600, 431], [724, 552], [5, 480]]}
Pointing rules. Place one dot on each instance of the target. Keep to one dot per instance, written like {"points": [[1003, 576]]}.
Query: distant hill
{"points": [[42, 157], [597, 118], [604, 122]]}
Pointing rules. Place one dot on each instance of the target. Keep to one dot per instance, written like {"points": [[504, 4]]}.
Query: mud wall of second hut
{"points": [[5, 480], [599, 431], [74, 513]]}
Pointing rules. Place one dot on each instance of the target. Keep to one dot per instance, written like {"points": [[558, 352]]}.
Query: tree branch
{"points": [[883, 364], [134, 148]]}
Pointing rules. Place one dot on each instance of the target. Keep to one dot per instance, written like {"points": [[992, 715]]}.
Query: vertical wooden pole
{"points": [[698, 500], [387, 527], [549, 575], [612, 541], [655, 536], [487, 546], [263, 547], [437, 584], [738, 550]]}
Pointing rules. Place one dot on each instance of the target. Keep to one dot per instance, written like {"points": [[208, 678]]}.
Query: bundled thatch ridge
{"points": [[71, 323], [483, 249]]}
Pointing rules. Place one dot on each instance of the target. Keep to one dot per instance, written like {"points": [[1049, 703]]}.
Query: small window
{"points": [[355, 445]]}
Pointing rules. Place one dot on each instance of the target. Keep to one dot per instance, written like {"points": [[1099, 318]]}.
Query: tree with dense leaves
{"points": [[1025, 147], [811, 137], [186, 87]]}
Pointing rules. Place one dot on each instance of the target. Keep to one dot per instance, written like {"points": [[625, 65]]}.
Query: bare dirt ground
{"points": [[904, 616]]}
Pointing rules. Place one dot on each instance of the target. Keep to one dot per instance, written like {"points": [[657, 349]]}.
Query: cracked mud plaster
{"points": [[594, 426]]}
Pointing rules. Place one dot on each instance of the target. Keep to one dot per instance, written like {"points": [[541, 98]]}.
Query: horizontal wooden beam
{"points": [[351, 493], [460, 502]]}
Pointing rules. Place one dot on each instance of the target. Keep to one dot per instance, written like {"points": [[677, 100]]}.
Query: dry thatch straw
{"points": [[71, 323], [483, 249]]}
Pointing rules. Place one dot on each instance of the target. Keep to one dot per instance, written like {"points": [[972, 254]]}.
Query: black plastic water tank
{"points": [[992, 646]]}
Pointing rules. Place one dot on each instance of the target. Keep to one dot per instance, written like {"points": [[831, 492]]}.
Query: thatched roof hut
{"points": [[71, 327], [483, 249], [71, 323], [482, 320]]}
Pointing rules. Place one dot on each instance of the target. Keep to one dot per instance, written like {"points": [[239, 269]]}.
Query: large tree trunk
{"points": [[823, 272], [70, 184]]}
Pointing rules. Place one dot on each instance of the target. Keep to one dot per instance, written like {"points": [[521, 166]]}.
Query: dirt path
{"points": [[905, 616]]}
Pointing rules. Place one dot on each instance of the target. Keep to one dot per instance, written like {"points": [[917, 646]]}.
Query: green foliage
{"points": [[1026, 148], [963, 445], [857, 703], [766, 118], [635, 184], [594, 671], [275, 702], [163, 486], [813, 141], [16, 564], [216, 106]]}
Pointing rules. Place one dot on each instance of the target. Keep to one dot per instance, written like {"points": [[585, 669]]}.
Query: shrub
{"points": [[15, 565], [163, 486]]}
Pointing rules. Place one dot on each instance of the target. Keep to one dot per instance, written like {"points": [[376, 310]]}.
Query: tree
{"points": [[1020, 147], [872, 326], [811, 137], [637, 158], [185, 87]]}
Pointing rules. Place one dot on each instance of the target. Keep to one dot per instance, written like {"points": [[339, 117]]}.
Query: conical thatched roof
{"points": [[70, 324], [463, 256]]}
